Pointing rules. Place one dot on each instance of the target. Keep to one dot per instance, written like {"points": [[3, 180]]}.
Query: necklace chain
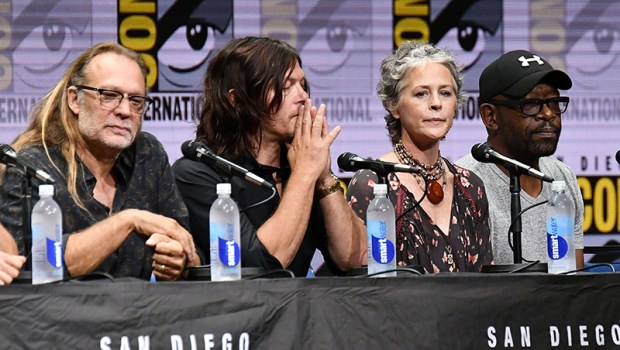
{"points": [[432, 172]]}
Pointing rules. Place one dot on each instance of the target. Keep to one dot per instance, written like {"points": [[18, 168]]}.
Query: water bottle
{"points": [[560, 230], [224, 237], [381, 233], [46, 224]]}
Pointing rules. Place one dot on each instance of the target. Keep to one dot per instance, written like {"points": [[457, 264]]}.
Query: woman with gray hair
{"points": [[441, 213]]}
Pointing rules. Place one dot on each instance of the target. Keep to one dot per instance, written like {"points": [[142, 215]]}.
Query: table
{"points": [[443, 311]]}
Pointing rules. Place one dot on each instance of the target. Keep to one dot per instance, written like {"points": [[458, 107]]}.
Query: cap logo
{"points": [[525, 62]]}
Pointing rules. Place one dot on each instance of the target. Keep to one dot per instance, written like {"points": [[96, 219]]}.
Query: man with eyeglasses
{"points": [[521, 108], [122, 212]]}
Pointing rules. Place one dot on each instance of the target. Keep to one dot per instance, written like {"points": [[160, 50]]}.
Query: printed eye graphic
{"points": [[197, 35], [467, 41], [54, 41], [54, 36], [468, 37], [337, 37], [602, 40], [331, 49], [188, 47], [335, 41]]}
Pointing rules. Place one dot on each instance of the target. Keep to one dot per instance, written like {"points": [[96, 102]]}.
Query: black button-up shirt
{"points": [[197, 183], [144, 181]]}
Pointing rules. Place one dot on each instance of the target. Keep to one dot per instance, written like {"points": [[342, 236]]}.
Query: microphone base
{"points": [[24, 277], [515, 268], [362, 271], [203, 273]]}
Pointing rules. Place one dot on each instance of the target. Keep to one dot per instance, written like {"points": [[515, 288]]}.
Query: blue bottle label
{"points": [[228, 250], [54, 252], [382, 249], [557, 246]]}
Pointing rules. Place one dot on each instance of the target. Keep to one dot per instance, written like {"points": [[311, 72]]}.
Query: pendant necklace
{"points": [[433, 173]]}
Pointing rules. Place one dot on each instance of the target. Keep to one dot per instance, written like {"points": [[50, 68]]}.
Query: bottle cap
{"points": [[380, 189], [558, 185], [46, 190], [223, 188]]}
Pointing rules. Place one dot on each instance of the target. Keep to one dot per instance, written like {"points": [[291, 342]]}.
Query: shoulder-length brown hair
{"points": [[238, 85]]}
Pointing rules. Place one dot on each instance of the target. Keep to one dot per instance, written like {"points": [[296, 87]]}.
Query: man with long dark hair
{"points": [[257, 113]]}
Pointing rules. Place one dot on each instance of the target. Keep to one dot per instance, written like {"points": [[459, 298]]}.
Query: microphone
{"points": [[483, 153], [352, 162], [9, 157], [618, 157], [198, 151]]}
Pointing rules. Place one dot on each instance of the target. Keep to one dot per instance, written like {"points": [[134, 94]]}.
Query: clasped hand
{"points": [[173, 246], [168, 257], [309, 149]]}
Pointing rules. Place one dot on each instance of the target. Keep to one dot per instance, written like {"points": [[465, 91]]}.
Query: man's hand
{"points": [[87, 249], [148, 223], [309, 149], [9, 267], [168, 258]]}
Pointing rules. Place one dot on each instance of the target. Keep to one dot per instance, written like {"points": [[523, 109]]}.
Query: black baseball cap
{"points": [[516, 73]]}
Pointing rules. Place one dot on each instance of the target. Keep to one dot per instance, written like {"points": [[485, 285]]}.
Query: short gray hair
{"points": [[394, 70]]}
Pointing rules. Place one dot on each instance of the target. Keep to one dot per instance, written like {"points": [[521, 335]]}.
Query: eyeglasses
{"points": [[112, 99], [531, 107]]}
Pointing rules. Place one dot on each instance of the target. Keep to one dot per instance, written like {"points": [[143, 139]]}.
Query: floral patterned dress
{"points": [[419, 241]]}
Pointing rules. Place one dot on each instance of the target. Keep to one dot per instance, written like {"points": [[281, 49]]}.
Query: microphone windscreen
{"points": [[479, 152], [344, 161], [618, 156], [196, 150], [193, 149], [8, 150], [185, 147]]}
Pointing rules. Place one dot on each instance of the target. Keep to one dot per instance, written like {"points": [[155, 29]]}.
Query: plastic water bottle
{"points": [[224, 237], [46, 221], [381, 233], [560, 230]]}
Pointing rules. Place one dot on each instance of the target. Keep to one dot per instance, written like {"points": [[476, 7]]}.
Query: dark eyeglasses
{"points": [[531, 107], [112, 99]]}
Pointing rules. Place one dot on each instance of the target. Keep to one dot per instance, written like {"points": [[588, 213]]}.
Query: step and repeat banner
{"points": [[342, 44]]}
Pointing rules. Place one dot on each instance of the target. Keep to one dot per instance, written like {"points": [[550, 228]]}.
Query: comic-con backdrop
{"points": [[342, 44]]}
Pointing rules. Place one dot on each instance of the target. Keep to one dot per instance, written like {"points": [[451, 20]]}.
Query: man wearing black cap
{"points": [[521, 108]]}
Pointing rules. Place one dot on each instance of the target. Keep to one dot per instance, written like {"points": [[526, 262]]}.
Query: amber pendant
{"points": [[435, 192]]}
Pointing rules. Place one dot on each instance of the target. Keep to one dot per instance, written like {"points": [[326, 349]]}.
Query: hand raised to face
{"points": [[309, 149]]}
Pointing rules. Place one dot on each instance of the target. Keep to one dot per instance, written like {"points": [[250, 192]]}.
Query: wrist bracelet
{"points": [[325, 191]]}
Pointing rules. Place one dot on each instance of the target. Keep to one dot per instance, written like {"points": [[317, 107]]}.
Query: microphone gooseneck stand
{"points": [[515, 229], [515, 218], [26, 217], [381, 172]]}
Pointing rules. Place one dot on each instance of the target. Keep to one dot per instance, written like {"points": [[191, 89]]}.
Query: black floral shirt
{"points": [[418, 240], [144, 181]]}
